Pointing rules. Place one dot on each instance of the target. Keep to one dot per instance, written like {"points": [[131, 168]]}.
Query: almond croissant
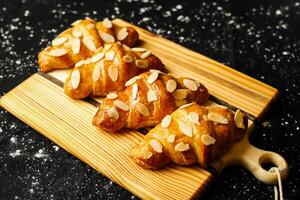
{"points": [[147, 99], [192, 134], [108, 70], [81, 41]]}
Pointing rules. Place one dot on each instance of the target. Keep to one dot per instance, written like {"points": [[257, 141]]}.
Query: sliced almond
{"points": [[89, 19], [171, 85], [141, 64], [96, 71], [113, 113], [130, 81], [127, 48], [207, 139], [146, 54], [147, 155], [180, 102], [197, 83], [108, 38], [121, 104], [127, 58], [134, 92], [179, 94], [151, 96], [138, 49], [141, 108], [171, 139], [57, 52], [75, 79], [215, 117], [97, 57], [194, 118], [107, 47], [166, 121], [221, 106], [80, 63], [110, 55], [76, 33], [112, 96], [157, 136], [186, 105], [75, 45], [201, 89], [90, 26], [59, 41], [182, 147], [122, 34], [113, 73], [76, 22], [89, 43], [184, 113], [190, 84], [152, 77], [107, 23], [185, 129], [156, 145], [99, 49], [87, 61], [156, 70], [239, 119]]}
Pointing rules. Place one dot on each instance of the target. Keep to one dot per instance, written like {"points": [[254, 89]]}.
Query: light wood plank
{"points": [[42, 105]]}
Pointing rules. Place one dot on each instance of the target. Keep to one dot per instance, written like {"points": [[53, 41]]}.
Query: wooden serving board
{"points": [[41, 103]]}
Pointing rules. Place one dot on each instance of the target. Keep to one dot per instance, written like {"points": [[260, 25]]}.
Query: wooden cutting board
{"points": [[41, 103]]}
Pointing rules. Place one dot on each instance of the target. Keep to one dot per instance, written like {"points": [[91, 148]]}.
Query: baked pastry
{"points": [[146, 100], [81, 41], [192, 134], [108, 70]]}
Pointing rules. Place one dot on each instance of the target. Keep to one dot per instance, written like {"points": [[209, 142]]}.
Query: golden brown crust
{"points": [[100, 27], [209, 138], [132, 38], [102, 69], [101, 118], [148, 102], [83, 30]]}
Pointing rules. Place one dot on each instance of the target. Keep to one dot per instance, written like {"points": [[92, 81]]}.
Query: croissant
{"points": [[192, 134], [81, 41], [108, 70], [147, 99]]}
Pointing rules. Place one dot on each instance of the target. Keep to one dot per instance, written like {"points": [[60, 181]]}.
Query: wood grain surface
{"points": [[42, 104]]}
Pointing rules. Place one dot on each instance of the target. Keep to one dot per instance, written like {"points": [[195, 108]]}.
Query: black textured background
{"points": [[259, 38]]}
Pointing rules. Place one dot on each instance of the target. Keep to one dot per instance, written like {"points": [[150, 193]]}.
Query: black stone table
{"points": [[258, 38]]}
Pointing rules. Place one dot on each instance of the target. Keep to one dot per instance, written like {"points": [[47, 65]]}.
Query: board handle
{"points": [[252, 158]]}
